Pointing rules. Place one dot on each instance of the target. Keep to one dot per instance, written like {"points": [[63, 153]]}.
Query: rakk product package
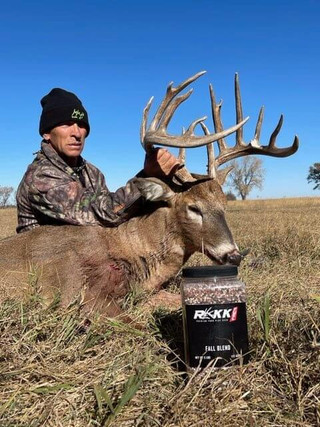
{"points": [[214, 316]]}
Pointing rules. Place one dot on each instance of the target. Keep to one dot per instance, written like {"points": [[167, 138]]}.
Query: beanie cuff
{"points": [[63, 114]]}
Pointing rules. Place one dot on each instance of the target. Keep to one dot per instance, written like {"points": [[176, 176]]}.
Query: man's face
{"points": [[68, 141]]}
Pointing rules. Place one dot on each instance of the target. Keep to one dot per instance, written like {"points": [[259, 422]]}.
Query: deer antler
{"points": [[157, 133], [241, 148]]}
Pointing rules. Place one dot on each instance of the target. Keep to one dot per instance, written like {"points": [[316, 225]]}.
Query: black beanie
{"points": [[61, 106]]}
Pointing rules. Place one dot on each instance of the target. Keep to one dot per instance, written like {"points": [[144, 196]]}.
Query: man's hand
{"points": [[160, 163]]}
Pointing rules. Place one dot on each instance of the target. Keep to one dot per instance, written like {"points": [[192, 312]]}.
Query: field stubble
{"points": [[53, 373]]}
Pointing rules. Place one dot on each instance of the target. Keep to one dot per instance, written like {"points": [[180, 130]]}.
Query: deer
{"points": [[181, 216]]}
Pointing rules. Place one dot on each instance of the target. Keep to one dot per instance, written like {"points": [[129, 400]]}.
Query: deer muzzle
{"points": [[233, 257]]}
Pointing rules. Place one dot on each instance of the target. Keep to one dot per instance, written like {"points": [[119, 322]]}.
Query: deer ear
{"points": [[223, 173], [153, 189]]}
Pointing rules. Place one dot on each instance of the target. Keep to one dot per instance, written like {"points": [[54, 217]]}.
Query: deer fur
{"points": [[102, 265]]}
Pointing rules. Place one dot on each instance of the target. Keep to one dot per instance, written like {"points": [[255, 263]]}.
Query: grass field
{"points": [[54, 374]]}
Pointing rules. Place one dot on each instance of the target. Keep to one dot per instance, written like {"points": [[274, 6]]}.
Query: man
{"points": [[60, 187]]}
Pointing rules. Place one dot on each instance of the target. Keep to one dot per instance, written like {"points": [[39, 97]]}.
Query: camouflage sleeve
{"points": [[122, 204], [66, 200]]}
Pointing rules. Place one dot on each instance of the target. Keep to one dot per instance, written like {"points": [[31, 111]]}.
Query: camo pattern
{"points": [[53, 193]]}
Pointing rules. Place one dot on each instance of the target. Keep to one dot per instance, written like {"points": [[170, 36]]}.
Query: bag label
{"points": [[217, 331]]}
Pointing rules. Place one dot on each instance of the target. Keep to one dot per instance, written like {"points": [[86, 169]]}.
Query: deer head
{"points": [[204, 213], [194, 216]]}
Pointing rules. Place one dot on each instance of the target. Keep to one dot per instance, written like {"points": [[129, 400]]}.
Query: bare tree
{"points": [[246, 174], [5, 193]]}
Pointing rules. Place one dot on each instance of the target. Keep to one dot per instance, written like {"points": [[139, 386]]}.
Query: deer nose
{"points": [[234, 257]]}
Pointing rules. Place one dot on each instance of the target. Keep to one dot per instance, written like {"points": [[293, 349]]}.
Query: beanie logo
{"points": [[77, 114]]}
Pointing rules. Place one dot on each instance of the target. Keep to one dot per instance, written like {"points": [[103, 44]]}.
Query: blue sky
{"points": [[115, 54]]}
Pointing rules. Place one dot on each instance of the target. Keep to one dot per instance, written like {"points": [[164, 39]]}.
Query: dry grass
{"points": [[8, 222], [55, 374]]}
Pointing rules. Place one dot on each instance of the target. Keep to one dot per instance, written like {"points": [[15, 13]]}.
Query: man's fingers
{"points": [[167, 161], [159, 162]]}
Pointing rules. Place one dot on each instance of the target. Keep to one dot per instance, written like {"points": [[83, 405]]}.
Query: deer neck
{"points": [[152, 247]]}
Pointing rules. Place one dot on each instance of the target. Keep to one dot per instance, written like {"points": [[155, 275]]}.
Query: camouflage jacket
{"points": [[53, 193]]}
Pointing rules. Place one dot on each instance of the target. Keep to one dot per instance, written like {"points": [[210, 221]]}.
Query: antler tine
{"points": [[182, 152], [216, 116], [258, 127], [211, 170], [239, 113], [143, 128], [190, 130], [182, 155], [282, 152], [273, 137]]}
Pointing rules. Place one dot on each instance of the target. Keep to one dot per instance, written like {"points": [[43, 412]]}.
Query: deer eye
{"points": [[195, 209]]}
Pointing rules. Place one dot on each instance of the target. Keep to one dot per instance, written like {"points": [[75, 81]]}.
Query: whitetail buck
{"points": [[181, 217]]}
